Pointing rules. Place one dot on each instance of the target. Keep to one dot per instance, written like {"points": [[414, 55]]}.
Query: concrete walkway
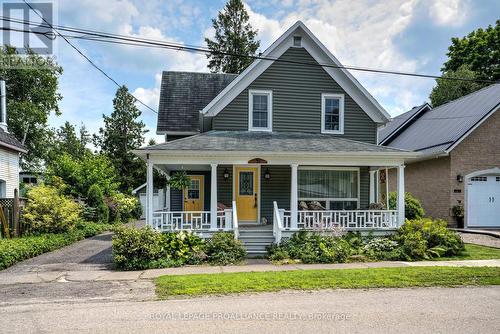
{"points": [[13, 277]]}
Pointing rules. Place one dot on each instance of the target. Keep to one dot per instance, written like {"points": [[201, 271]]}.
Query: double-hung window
{"points": [[332, 113], [334, 188], [260, 110]]}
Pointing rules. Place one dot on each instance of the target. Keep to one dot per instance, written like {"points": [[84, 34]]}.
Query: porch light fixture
{"points": [[267, 175], [226, 174], [460, 178]]}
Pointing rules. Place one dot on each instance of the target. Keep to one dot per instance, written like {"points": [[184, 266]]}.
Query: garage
{"points": [[483, 201]]}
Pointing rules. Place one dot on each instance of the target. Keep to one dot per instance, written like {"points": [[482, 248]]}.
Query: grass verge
{"points": [[474, 252], [227, 283]]}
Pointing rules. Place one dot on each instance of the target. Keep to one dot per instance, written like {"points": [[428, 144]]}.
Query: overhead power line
{"points": [[85, 56], [93, 35]]}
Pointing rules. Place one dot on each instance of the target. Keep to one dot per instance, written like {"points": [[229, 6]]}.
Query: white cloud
{"points": [[448, 12]]}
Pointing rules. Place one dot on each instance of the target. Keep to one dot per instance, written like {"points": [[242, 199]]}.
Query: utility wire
{"points": [[93, 35], [87, 58]]}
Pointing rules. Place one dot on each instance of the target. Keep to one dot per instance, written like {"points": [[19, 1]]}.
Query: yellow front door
{"points": [[246, 189], [193, 195]]}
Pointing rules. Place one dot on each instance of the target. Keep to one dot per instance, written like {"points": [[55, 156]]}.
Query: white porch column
{"points": [[294, 197], [213, 197], [149, 193], [372, 186], [401, 194]]}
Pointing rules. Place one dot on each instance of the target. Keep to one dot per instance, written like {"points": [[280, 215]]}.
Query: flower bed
{"points": [[419, 239]]}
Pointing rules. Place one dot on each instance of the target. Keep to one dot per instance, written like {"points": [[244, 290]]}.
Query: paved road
{"points": [[427, 310]]}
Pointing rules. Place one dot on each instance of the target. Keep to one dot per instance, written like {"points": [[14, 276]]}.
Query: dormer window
{"points": [[297, 41], [260, 110], [332, 113]]}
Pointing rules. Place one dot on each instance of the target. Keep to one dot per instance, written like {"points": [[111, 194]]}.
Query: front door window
{"points": [[246, 183]]}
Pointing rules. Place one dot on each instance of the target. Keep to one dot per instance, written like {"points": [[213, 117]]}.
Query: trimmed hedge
{"points": [[19, 249]]}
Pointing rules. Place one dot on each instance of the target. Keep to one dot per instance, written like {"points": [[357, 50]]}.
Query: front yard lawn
{"points": [[226, 283], [474, 252]]}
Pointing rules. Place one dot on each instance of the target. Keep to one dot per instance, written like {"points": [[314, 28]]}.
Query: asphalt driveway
{"points": [[89, 254]]}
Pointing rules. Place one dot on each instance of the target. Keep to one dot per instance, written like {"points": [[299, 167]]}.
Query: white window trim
{"points": [[352, 169], [269, 93], [324, 96]]}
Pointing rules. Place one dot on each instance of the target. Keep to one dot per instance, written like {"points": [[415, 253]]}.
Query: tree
{"points": [[480, 50], [448, 90], [67, 141], [95, 200], [122, 133], [31, 97], [233, 34]]}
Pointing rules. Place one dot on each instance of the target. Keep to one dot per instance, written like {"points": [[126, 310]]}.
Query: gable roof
{"points": [[397, 124], [320, 53], [9, 141], [183, 95], [442, 128]]}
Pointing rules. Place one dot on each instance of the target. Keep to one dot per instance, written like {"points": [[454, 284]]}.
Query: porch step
{"points": [[256, 240]]}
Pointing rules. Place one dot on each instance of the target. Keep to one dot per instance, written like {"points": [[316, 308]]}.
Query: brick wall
{"points": [[479, 151], [434, 181]]}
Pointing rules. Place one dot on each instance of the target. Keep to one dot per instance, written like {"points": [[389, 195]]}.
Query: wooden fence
{"points": [[10, 216]]}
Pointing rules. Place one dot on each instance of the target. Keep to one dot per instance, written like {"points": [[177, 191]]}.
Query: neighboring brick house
{"points": [[460, 163]]}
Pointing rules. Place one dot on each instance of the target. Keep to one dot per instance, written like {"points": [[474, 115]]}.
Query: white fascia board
{"points": [[321, 54]]}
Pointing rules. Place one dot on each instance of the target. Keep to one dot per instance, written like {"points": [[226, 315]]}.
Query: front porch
{"points": [[283, 181]]}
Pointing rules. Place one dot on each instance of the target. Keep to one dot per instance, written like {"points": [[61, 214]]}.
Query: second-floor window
{"points": [[332, 113], [260, 110]]}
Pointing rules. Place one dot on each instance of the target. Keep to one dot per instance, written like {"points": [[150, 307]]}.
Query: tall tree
{"points": [[233, 34], [480, 50], [475, 56], [31, 97], [66, 140], [448, 90], [122, 133]]}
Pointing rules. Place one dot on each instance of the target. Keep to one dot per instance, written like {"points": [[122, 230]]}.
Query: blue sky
{"points": [[401, 35]]}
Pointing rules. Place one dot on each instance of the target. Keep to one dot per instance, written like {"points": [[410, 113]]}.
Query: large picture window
{"points": [[332, 113], [260, 110], [335, 189]]}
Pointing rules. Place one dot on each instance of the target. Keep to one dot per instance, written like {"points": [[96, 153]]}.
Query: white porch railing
{"points": [[278, 222], [235, 221], [347, 219], [191, 220]]}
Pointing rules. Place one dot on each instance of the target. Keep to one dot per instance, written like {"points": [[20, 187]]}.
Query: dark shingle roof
{"points": [[7, 139], [393, 125], [438, 129], [269, 142], [183, 95]]}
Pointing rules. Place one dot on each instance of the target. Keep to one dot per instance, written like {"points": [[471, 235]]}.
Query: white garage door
{"points": [[483, 198]]}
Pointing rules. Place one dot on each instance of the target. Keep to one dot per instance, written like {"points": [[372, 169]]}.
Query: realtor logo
{"points": [[24, 29]]}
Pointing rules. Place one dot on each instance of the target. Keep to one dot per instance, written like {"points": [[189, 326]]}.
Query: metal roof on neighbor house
{"points": [[9, 141], [438, 129], [391, 127], [183, 95], [241, 141]]}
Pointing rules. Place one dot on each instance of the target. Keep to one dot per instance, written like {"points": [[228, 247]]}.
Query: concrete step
{"points": [[244, 238]]}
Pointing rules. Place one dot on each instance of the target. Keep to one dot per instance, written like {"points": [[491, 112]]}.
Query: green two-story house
{"points": [[288, 144]]}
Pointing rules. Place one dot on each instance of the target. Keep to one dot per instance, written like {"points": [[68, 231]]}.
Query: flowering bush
{"points": [[48, 211], [128, 207]]}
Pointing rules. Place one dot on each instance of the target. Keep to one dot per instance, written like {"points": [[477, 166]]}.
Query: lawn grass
{"points": [[474, 252], [227, 283]]}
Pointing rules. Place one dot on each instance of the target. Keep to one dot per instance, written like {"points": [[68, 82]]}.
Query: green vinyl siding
{"points": [[297, 90], [364, 188], [225, 187], [277, 188]]}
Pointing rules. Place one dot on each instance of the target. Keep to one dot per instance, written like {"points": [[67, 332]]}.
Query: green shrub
{"points": [[382, 249], [439, 240], [19, 249], [413, 207], [47, 211], [145, 248], [95, 199], [124, 207], [224, 249], [312, 248]]}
